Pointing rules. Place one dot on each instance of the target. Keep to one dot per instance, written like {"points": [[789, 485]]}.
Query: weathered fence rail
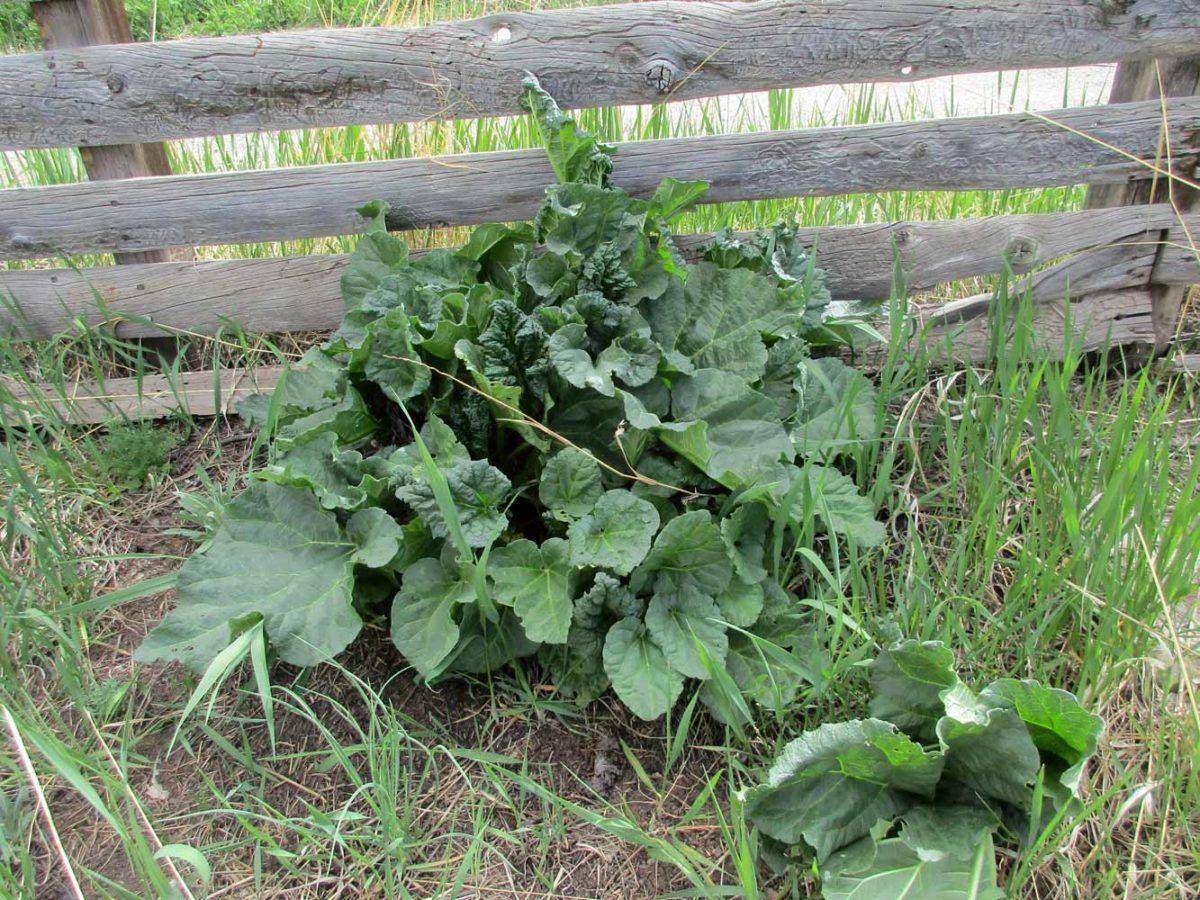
{"points": [[1119, 267], [640, 53], [1095, 145], [301, 293]]}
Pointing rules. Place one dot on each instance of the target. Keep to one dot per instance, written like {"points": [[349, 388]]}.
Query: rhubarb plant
{"points": [[905, 804], [564, 440]]}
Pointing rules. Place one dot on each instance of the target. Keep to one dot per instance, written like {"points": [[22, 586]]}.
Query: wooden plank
{"points": [[960, 331], [1157, 79], [634, 53], [302, 293], [1016, 150], [68, 25], [1179, 263], [151, 397]]}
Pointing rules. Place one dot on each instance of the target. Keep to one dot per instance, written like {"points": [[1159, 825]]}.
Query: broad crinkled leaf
{"points": [[583, 361], [745, 533], [830, 785], [570, 484], [424, 627], [639, 671], [478, 491], [830, 495], [835, 408], [741, 603], [578, 665], [677, 622], [719, 318], [1059, 726], [393, 362], [777, 252], [313, 396], [278, 555], [937, 832], [892, 870], [575, 155], [538, 584], [689, 557], [334, 475], [724, 427], [616, 534], [485, 646], [514, 349], [844, 510], [907, 681], [993, 755], [375, 535], [376, 256]]}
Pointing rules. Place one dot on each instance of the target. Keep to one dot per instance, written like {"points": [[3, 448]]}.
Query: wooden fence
{"points": [[1123, 262]]}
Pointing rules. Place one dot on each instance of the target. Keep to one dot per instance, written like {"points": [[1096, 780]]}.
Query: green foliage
{"points": [[908, 807], [128, 455], [561, 438]]}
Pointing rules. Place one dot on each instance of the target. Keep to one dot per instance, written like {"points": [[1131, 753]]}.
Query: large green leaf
{"points": [[689, 557], [376, 256], [1064, 732], [279, 555], [907, 681], [424, 626], [393, 363], [829, 786], [538, 584], [570, 484], [677, 622], [616, 534], [335, 475], [892, 870], [631, 357], [477, 490], [835, 408], [638, 670], [375, 535], [718, 320], [574, 154], [992, 753], [724, 427], [745, 534]]}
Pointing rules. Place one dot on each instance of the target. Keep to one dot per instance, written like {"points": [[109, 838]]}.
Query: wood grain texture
{"points": [[68, 25], [1163, 80], [634, 53], [962, 332], [1016, 150], [200, 393], [302, 293]]}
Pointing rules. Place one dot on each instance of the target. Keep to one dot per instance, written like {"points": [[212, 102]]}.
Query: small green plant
{"points": [[562, 439], [904, 804], [131, 452]]}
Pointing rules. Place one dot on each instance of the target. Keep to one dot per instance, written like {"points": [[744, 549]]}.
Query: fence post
{"points": [[1152, 79], [67, 24]]}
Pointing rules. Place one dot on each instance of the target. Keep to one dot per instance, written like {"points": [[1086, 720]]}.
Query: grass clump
{"points": [[130, 453]]}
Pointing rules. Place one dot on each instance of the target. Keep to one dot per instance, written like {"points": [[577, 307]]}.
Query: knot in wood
{"points": [[1021, 250], [662, 75], [903, 236], [116, 83]]}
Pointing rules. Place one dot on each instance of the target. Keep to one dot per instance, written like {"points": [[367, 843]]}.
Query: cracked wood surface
{"points": [[633, 53], [986, 152]]}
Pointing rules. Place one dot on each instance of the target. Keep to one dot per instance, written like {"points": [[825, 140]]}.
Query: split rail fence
{"points": [[1122, 265]]}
